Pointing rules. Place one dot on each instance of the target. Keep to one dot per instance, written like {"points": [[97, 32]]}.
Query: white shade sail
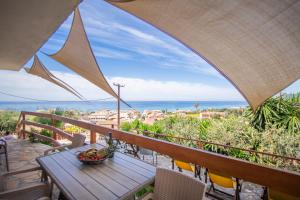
{"points": [[26, 25], [255, 44], [77, 55], [38, 69]]}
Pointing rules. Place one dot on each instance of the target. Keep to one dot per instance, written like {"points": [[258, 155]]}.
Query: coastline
{"points": [[92, 106]]}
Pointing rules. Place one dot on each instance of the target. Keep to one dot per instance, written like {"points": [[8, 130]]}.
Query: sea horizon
{"points": [[112, 105]]}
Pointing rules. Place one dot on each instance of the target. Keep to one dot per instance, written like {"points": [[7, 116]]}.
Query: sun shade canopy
{"points": [[255, 44], [26, 25], [77, 55], [40, 70]]}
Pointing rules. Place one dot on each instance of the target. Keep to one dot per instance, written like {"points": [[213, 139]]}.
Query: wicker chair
{"points": [[77, 141], [172, 185], [39, 190], [3, 150]]}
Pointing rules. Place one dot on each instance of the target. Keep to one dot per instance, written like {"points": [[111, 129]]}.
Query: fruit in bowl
{"points": [[93, 156]]}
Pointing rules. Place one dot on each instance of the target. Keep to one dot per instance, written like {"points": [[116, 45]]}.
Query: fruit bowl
{"points": [[93, 156]]}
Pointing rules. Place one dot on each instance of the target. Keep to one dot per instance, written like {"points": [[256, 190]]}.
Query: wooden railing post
{"points": [[92, 137], [53, 132], [199, 145], [23, 125]]}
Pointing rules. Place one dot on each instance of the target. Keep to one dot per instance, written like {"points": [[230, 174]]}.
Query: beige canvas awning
{"points": [[77, 55], [40, 70], [26, 25], [255, 44]]}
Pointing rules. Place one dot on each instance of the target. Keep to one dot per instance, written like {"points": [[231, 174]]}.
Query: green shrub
{"points": [[282, 111], [48, 134], [8, 121], [126, 126]]}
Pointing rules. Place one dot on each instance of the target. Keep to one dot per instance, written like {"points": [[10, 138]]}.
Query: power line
{"points": [[104, 99], [27, 98], [42, 100]]}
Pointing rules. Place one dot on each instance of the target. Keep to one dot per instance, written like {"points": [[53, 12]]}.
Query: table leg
{"points": [[61, 196]]}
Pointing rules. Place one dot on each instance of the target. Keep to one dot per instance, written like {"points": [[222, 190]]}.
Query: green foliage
{"points": [[58, 111], [126, 126], [48, 121], [236, 131], [233, 130], [42, 120], [144, 191], [135, 124], [188, 127], [155, 128], [46, 133], [8, 121], [282, 111], [71, 114], [42, 132]]}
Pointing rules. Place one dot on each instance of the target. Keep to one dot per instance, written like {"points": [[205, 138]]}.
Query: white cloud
{"points": [[23, 84], [140, 89], [110, 53]]}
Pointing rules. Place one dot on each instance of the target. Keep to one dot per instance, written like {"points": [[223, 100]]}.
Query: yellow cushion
{"points": [[185, 166], [223, 181]]}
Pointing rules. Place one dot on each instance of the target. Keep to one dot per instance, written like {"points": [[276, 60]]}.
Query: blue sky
{"points": [[152, 65]]}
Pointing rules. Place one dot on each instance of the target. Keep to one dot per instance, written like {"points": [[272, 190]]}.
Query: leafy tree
{"points": [[126, 126], [290, 118], [282, 111], [197, 105]]}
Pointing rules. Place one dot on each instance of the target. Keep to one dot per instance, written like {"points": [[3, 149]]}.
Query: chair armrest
{"points": [[59, 148], [4, 141], [21, 171], [31, 192]]}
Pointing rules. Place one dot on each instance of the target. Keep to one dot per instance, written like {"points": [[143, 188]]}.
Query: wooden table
{"points": [[119, 177]]}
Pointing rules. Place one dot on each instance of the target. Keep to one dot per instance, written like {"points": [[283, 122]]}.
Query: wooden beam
{"points": [[44, 138], [50, 128]]}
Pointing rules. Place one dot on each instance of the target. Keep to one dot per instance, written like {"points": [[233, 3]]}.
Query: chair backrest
{"points": [[77, 140], [221, 180], [172, 185], [185, 166]]}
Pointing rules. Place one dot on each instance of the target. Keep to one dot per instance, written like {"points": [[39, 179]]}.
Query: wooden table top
{"points": [[119, 177]]}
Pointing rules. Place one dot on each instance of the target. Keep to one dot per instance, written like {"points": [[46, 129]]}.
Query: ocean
{"points": [[112, 105]]}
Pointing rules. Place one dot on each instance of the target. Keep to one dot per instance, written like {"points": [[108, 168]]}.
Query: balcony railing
{"points": [[280, 180], [262, 157]]}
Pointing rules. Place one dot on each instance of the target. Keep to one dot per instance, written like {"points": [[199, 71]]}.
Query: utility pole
{"points": [[119, 99]]}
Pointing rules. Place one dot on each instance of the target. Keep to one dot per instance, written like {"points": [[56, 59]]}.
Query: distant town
{"points": [[110, 117]]}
